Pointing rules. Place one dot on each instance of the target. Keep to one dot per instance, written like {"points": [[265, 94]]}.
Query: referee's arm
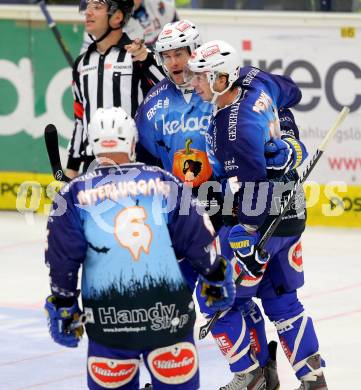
{"points": [[76, 142]]}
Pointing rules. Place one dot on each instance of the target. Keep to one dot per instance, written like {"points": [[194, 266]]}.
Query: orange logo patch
{"points": [[295, 256], [112, 373], [175, 364]]}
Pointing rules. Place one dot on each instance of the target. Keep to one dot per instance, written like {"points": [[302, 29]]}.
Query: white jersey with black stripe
{"points": [[107, 80]]}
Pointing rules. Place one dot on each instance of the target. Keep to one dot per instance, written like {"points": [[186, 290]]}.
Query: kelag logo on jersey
{"points": [[192, 123]]}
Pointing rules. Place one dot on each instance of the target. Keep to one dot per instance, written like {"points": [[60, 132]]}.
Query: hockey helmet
{"points": [[112, 130], [175, 35], [214, 58]]}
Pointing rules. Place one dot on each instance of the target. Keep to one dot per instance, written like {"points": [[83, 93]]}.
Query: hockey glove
{"points": [[217, 291], [60, 319], [243, 244], [283, 154]]}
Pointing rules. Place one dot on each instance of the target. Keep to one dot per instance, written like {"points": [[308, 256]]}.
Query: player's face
{"points": [[175, 61], [96, 18], [200, 83]]}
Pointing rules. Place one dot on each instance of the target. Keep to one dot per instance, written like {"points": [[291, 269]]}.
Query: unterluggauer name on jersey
{"points": [[114, 191]]}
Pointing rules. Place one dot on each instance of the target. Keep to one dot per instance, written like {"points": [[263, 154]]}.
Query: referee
{"points": [[113, 72]]}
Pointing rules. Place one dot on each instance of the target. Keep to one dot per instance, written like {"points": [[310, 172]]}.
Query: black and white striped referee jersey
{"points": [[106, 80]]}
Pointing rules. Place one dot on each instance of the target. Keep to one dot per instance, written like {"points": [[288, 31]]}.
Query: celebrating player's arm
{"points": [[287, 152]]}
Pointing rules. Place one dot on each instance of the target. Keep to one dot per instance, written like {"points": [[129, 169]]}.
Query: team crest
{"points": [[112, 373], [295, 257], [175, 364]]}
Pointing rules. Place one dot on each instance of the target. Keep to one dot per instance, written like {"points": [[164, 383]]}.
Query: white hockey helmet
{"points": [[214, 58], [182, 33], [112, 130]]}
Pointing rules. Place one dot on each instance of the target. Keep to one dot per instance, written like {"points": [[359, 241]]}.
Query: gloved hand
{"points": [[244, 245], [59, 319], [217, 291], [283, 154]]}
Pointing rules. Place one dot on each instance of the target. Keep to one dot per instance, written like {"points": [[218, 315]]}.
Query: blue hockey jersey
{"points": [[123, 226], [172, 124], [237, 135]]}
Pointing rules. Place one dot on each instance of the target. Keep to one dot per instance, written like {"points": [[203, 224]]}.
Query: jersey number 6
{"points": [[131, 232]]}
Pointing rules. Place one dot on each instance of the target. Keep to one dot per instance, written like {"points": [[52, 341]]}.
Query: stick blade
{"points": [[52, 147], [203, 331]]}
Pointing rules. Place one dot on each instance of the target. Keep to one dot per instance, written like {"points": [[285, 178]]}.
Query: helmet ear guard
{"points": [[112, 130]]}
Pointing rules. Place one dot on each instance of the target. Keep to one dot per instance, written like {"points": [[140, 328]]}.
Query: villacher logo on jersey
{"points": [[175, 364], [111, 373]]}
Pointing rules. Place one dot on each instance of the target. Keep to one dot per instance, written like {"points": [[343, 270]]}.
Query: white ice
{"points": [[30, 360]]}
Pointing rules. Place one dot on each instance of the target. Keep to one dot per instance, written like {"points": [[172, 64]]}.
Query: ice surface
{"points": [[30, 360]]}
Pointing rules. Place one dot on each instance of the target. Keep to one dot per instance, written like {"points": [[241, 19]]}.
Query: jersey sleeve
{"points": [[76, 145], [145, 121], [66, 245], [289, 94]]}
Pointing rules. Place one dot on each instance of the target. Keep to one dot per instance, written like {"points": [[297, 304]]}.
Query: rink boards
{"points": [[328, 205], [319, 51]]}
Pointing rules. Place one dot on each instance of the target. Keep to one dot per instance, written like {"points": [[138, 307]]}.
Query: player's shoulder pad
{"points": [[247, 75], [79, 179], [158, 90]]}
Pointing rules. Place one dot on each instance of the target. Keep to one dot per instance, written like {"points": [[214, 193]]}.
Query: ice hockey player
{"points": [[172, 123], [120, 223], [245, 126]]}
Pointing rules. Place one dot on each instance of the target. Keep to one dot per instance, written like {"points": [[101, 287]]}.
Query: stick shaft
{"points": [[52, 148], [52, 25]]}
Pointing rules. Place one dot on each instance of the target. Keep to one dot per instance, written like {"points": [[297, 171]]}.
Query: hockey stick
{"points": [[52, 25], [52, 147], [205, 329]]}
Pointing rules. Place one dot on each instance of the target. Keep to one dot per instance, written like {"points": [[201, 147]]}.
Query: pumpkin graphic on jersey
{"points": [[191, 166]]}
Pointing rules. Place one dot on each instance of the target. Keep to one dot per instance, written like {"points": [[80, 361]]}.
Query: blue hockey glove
{"points": [[217, 291], [59, 320], [283, 154], [243, 244]]}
